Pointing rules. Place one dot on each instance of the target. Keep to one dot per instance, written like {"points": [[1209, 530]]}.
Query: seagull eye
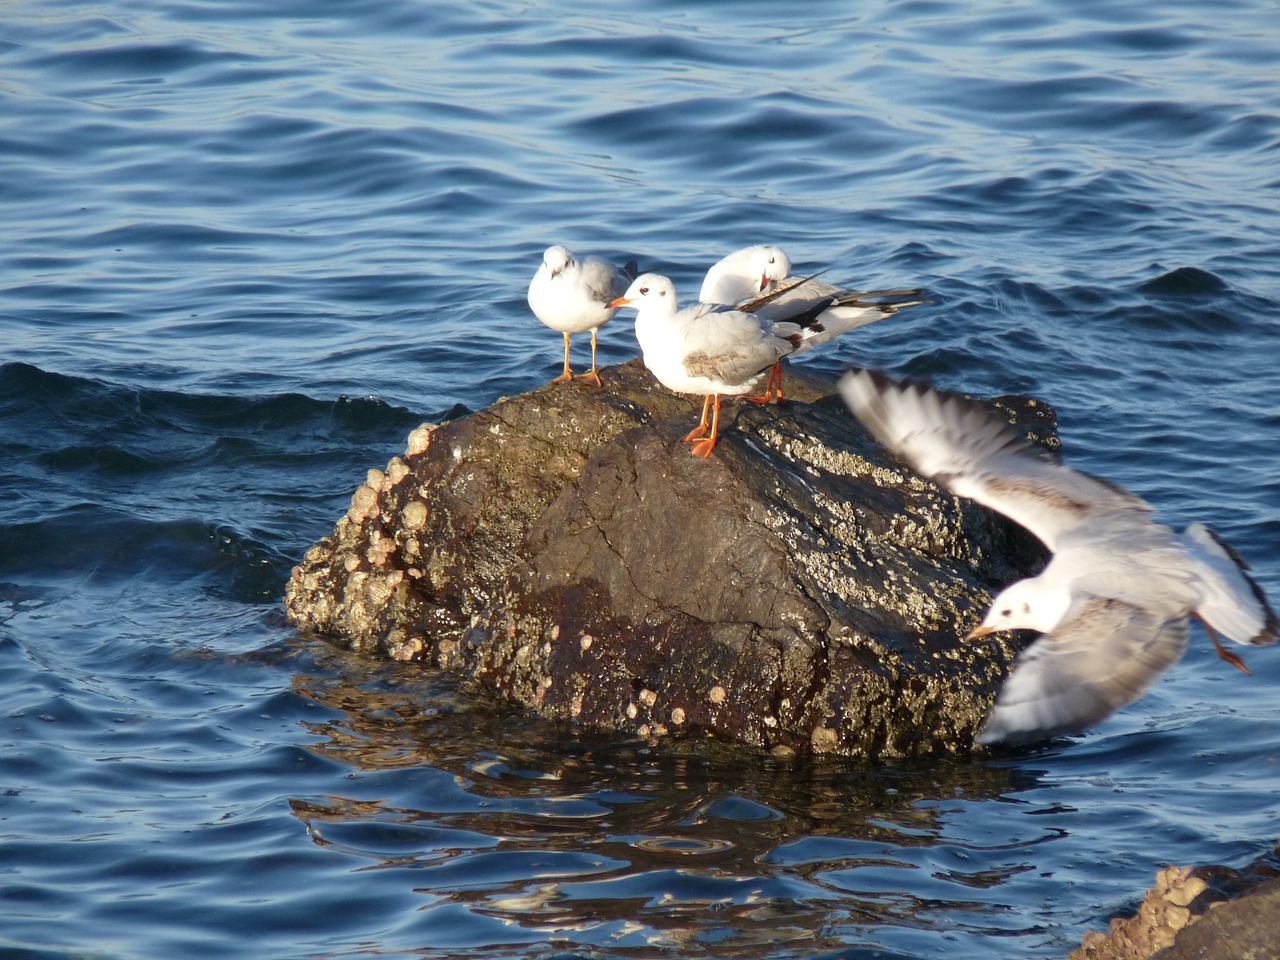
{"points": [[1006, 613], [771, 260], [643, 291]]}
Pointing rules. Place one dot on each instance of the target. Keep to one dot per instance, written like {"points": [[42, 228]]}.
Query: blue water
{"points": [[247, 247]]}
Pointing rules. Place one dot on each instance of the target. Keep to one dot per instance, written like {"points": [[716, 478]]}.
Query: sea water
{"points": [[245, 248]]}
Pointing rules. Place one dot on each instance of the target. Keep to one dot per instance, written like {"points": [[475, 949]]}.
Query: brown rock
{"points": [[1162, 913], [1201, 913], [1243, 929], [798, 590]]}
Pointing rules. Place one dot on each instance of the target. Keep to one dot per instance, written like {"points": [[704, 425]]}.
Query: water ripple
{"points": [[249, 247]]}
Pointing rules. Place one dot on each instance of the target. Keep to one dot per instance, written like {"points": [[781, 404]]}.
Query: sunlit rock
{"points": [[1200, 913], [798, 591]]}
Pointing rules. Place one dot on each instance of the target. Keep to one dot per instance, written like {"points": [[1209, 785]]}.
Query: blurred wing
{"points": [[975, 454], [1104, 657]]}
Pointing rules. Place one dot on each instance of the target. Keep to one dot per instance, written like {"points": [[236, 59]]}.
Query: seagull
{"points": [[1114, 603], [758, 280], [745, 274], [572, 296], [705, 348]]}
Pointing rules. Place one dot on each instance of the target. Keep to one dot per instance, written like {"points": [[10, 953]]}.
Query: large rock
{"points": [[797, 591]]}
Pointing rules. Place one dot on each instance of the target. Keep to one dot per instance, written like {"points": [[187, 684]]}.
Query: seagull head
{"points": [[770, 263], [646, 289], [1023, 605], [556, 259]]}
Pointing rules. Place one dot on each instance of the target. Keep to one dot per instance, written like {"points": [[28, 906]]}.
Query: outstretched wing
{"points": [[974, 453], [1098, 660]]}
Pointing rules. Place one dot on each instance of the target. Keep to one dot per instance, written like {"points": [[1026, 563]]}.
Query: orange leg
{"points": [[772, 387], [567, 375], [701, 429], [591, 376], [1223, 652], [703, 447]]}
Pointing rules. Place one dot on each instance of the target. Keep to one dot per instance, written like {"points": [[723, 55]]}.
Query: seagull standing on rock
{"points": [[758, 280], [1112, 605], [706, 348], [572, 296]]}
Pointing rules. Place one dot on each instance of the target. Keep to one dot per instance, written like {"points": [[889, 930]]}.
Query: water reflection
{"points": [[623, 843]]}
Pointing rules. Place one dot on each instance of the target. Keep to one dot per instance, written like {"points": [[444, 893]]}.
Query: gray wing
{"points": [[733, 346], [974, 453], [603, 281], [1098, 660], [835, 311], [852, 310]]}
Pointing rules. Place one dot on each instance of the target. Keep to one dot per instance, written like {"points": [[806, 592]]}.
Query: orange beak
{"points": [[620, 302], [977, 633]]}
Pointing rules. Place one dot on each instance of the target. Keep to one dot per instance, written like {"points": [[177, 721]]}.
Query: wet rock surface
{"points": [[798, 591], [1200, 913]]}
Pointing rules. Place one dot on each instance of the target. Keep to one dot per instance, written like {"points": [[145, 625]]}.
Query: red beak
{"points": [[620, 302]]}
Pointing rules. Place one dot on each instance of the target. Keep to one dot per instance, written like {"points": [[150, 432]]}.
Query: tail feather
{"points": [[1233, 603]]}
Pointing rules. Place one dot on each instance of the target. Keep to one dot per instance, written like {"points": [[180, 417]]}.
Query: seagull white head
{"points": [[648, 288], [744, 274], [770, 264], [1023, 605], [556, 259]]}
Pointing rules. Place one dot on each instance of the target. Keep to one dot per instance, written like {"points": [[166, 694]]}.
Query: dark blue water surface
{"points": [[246, 247]]}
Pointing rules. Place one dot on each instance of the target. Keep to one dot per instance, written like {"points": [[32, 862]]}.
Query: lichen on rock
{"points": [[799, 591]]}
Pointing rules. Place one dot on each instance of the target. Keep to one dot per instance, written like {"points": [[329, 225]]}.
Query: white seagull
{"points": [[572, 296], [705, 348], [1114, 601], [758, 280], [745, 274]]}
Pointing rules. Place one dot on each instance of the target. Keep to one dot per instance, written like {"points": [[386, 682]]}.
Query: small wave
{"points": [[1185, 282], [89, 543], [56, 404], [129, 480]]}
